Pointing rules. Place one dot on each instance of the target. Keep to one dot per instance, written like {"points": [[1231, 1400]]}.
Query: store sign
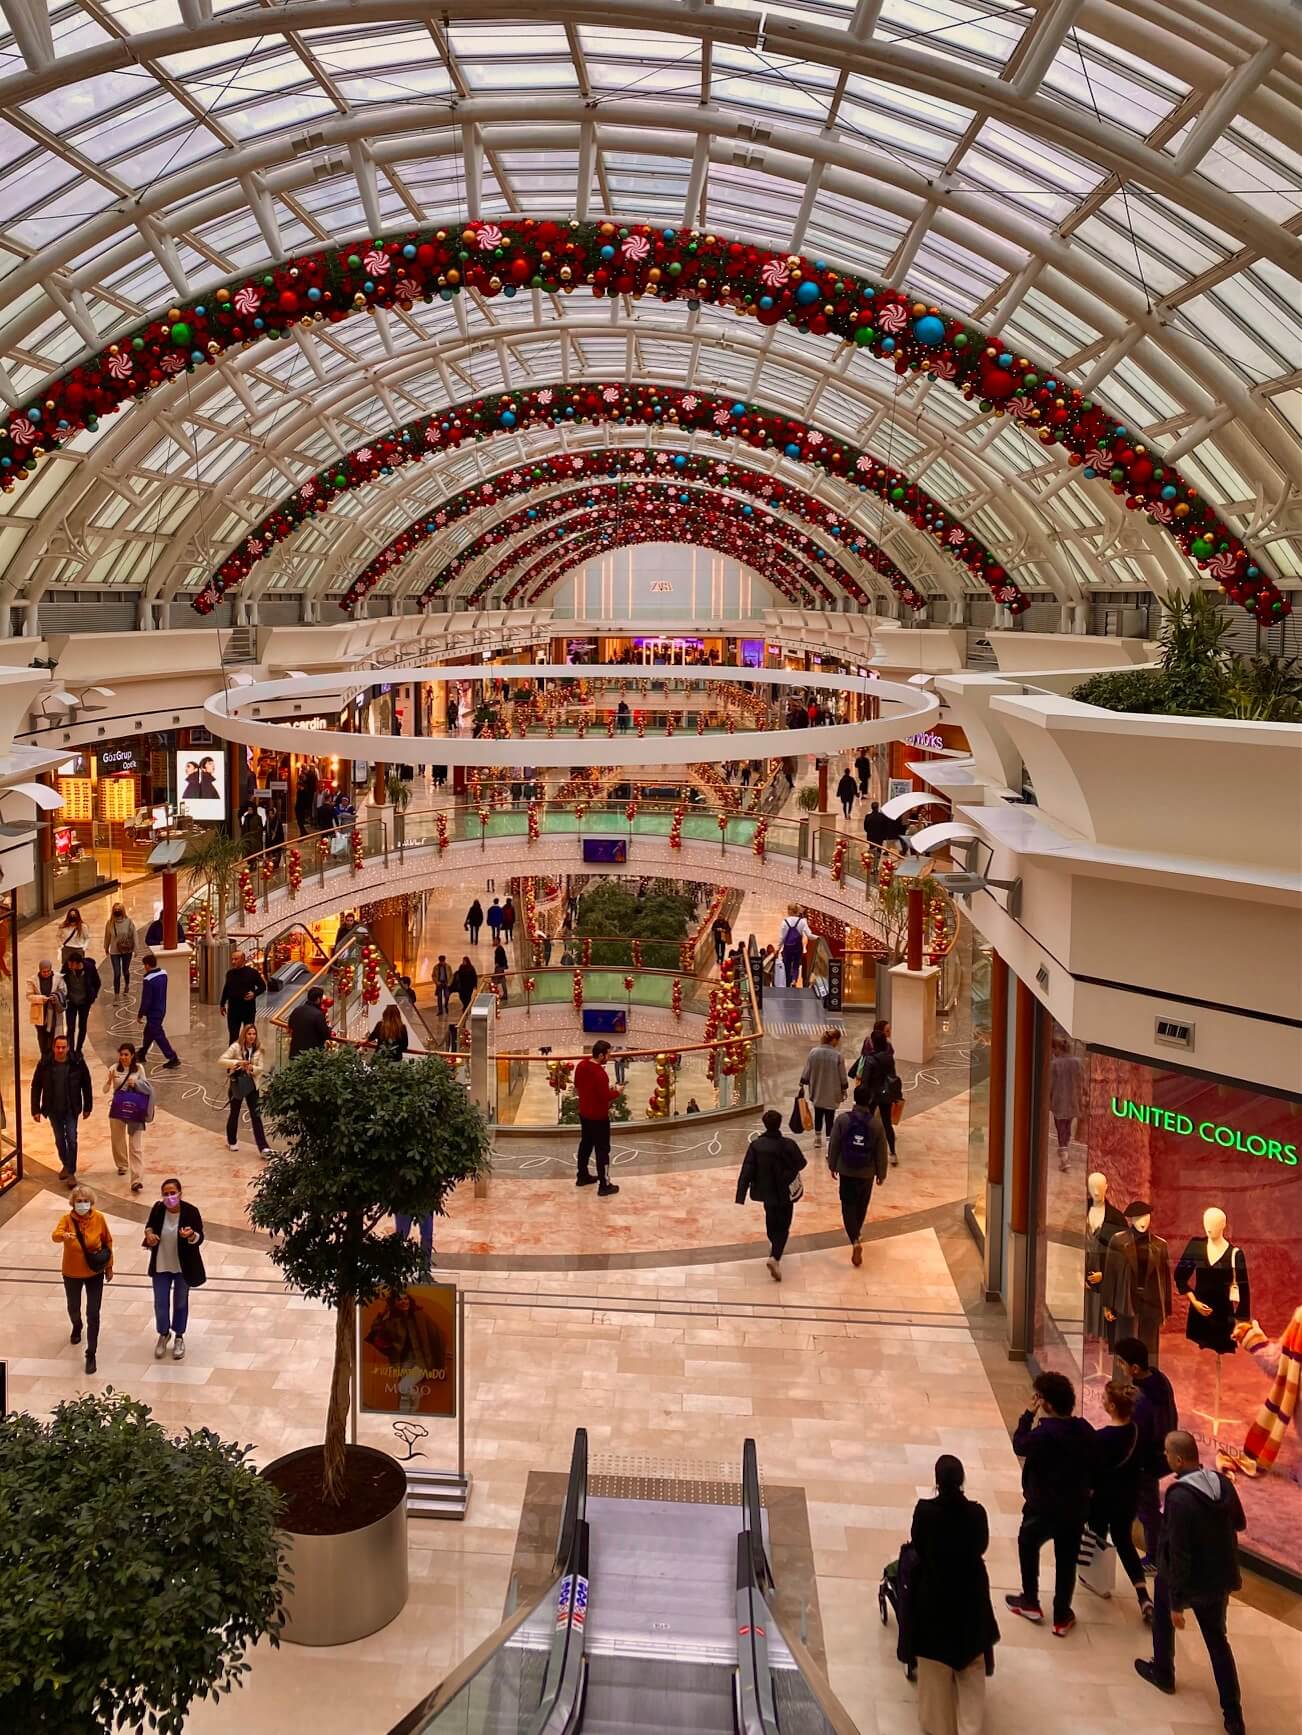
{"points": [[1230, 1138], [927, 740], [661, 586], [120, 760]]}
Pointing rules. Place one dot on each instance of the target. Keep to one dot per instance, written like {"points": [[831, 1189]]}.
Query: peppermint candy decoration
{"points": [[254, 546], [247, 301], [376, 263], [1098, 459], [364, 454], [638, 459], [546, 395], [944, 369], [406, 291], [120, 366], [775, 274], [892, 318], [490, 236], [1161, 512], [440, 518], [721, 418], [1224, 566], [636, 248], [957, 537], [690, 401], [308, 489], [1022, 408], [864, 464], [22, 432], [173, 363], [610, 395], [813, 438]]}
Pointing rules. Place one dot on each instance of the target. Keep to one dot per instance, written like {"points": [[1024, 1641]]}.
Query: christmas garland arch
{"points": [[558, 256]]}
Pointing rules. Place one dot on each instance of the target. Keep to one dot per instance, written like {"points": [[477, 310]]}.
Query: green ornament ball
{"points": [[181, 332], [864, 335], [1202, 548]]}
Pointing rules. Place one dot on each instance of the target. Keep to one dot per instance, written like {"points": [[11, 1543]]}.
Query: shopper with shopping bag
{"points": [[1118, 1464]]}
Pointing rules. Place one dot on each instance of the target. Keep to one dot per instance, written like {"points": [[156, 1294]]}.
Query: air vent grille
{"points": [[1171, 1033]]}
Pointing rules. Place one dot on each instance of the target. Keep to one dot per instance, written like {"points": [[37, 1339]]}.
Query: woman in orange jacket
{"points": [[87, 1244]]}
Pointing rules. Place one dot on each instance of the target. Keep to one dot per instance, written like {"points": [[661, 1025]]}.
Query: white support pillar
{"points": [[913, 1012]]}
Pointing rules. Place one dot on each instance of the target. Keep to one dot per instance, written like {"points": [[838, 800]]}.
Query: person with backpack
{"points": [[791, 943], [770, 1174], [856, 1154]]}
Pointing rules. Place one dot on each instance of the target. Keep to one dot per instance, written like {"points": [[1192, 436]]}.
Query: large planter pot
{"points": [[351, 1582], [214, 960]]}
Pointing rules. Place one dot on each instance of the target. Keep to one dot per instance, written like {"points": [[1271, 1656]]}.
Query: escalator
{"points": [[658, 1617]]}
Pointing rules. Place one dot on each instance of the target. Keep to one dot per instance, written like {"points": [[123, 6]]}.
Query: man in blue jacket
{"points": [[153, 1010]]}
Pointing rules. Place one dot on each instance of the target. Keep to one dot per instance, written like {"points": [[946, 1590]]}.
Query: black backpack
{"points": [[858, 1151]]}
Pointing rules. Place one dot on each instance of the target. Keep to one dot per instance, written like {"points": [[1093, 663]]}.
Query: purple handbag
{"points": [[129, 1105]]}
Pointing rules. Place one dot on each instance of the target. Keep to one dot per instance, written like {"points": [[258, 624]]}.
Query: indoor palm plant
{"points": [[136, 1570], [358, 1141], [211, 869]]}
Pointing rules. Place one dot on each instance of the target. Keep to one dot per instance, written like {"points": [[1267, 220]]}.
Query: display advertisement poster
{"points": [[1221, 1168], [408, 1352], [201, 782]]}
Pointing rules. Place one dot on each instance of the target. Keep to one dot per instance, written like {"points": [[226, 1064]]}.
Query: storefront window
{"points": [[978, 1099], [1173, 1211], [10, 1124]]}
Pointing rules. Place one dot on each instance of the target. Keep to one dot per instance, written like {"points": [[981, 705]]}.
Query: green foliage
{"points": [[1141, 690], [212, 868], [1199, 676], [807, 798], [135, 1569], [398, 790], [360, 1141], [619, 1109], [610, 910]]}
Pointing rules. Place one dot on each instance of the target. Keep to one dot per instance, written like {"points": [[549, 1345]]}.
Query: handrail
{"points": [[576, 1498], [441, 1696], [280, 1019], [753, 1514]]}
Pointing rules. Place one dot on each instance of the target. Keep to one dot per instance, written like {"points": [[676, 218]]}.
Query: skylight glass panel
{"points": [[1207, 318], [955, 29], [70, 106], [490, 59], [1106, 81]]}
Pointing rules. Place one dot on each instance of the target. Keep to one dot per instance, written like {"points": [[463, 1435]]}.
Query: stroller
{"points": [[895, 1590]]}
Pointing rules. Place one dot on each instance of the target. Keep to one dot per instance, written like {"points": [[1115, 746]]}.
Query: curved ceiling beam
{"points": [[630, 462], [621, 497], [555, 257], [1127, 318], [613, 402], [946, 78]]}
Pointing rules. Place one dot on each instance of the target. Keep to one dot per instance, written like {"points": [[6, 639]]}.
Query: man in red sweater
{"points": [[595, 1092]]}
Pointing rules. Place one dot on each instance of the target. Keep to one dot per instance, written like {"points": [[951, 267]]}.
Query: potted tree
{"points": [[358, 1140], [398, 790], [211, 869], [137, 1569]]}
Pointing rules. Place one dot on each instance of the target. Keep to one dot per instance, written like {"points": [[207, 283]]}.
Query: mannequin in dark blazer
{"points": [[1137, 1295]]}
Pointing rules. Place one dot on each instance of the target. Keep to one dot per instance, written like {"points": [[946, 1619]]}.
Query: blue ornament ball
{"points": [[508, 418], [807, 293], [929, 329], [793, 449]]}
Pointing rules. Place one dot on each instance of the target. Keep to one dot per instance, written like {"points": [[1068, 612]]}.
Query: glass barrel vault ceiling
{"points": [[1115, 188]]}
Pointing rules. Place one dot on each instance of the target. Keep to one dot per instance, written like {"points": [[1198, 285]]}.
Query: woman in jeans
{"points": [[83, 1233], [173, 1235], [74, 936], [120, 947], [827, 1080], [128, 1136], [243, 1062]]}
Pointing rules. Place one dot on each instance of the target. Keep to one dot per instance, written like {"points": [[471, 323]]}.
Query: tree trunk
{"points": [[341, 1385]]}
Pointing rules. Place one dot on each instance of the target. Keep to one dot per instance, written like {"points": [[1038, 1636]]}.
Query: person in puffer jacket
{"points": [[1197, 1568]]}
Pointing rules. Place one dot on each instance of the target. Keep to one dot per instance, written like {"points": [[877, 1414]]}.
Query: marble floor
{"points": [[650, 1320]]}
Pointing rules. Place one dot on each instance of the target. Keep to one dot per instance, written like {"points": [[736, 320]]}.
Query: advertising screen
{"points": [[201, 782], [408, 1352]]}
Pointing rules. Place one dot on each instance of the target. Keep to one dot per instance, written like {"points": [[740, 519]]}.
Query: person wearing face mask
{"points": [[131, 1108], [173, 1235], [87, 1265]]}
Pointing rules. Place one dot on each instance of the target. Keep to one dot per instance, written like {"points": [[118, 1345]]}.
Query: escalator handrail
{"points": [[576, 1500], [752, 1515], [839, 1721], [442, 1696]]}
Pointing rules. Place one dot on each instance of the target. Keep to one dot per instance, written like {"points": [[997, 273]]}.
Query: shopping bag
{"points": [[129, 1105], [1096, 1564], [802, 1116]]}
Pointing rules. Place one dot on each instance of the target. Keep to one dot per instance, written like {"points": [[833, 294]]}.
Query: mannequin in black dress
{"points": [[1213, 1273]]}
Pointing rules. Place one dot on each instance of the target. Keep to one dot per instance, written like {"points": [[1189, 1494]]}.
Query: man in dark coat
{"points": [[1197, 1568], [61, 1092], [1057, 1451], [308, 1025], [240, 992], [771, 1164], [80, 990]]}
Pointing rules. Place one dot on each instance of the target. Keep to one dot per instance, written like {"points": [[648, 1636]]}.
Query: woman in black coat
{"points": [[953, 1623], [465, 979], [173, 1235]]}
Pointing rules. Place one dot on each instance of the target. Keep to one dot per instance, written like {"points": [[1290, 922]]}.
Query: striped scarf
{"points": [[1266, 1435]]}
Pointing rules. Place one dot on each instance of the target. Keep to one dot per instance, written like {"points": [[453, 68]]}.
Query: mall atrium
{"points": [[651, 867]]}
